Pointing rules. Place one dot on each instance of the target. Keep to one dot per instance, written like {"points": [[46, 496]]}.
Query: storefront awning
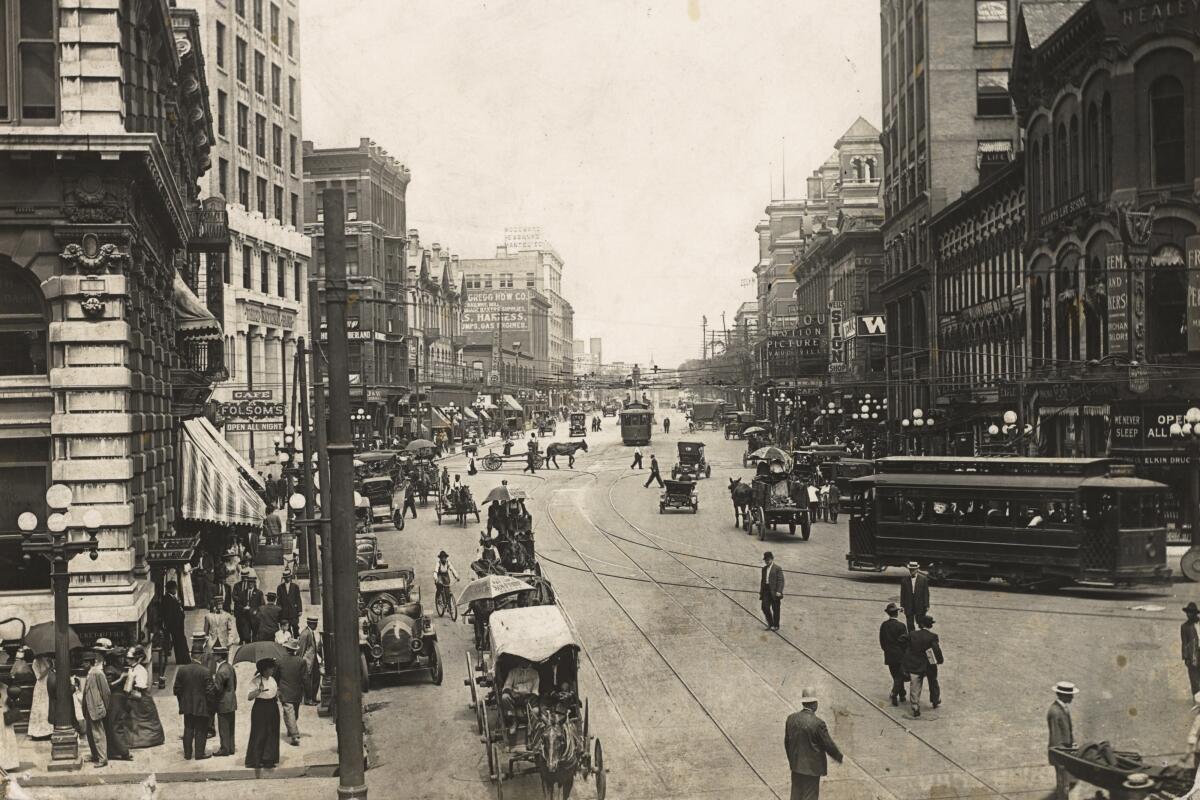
{"points": [[172, 551], [469, 414], [247, 471], [192, 318], [485, 401], [1073, 411], [484, 415], [439, 419], [212, 486], [512, 405]]}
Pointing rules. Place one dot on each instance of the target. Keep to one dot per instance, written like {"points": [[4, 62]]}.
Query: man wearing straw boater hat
{"points": [[1062, 733], [914, 595], [807, 741]]}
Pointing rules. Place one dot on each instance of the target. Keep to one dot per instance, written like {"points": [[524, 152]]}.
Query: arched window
{"points": [[1066, 309], [871, 173], [1092, 151], [1044, 171], [22, 322], [1060, 164], [1106, 146], [1073, 155], [1168, 131], [1167, 292], [1035, 178], [1037, 319]]}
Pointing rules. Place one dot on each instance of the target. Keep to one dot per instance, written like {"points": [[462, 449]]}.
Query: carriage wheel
{"points": [[499, 774], [398, 520], [761, 517], [492, 462], [708, 471], [479, 712], [585, 719], [436, 672], [791, 528], [1189, 564], [470, 682], [598, 767]]}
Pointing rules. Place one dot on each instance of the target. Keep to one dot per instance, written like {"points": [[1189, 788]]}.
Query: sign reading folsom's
{"points": [[489, 309]]}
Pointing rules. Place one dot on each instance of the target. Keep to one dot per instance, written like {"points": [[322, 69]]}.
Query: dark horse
{"points": [[743, 496], [557, 747], [565, 449]]}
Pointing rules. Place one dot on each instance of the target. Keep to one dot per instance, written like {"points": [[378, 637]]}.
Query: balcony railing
{"points": [[210, 227]]}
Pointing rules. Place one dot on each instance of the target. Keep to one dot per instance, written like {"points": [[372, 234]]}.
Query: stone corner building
{"points": [[105, 347]]}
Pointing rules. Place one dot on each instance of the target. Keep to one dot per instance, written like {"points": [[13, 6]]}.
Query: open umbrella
{"points": [[490, 587], [257, 651], [418, 444], [40, 639], [501, 494], [755, 429], [771, 453]]}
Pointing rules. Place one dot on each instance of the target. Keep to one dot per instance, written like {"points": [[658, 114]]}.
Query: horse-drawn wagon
{"points": [[527, 703], [774, 503]]}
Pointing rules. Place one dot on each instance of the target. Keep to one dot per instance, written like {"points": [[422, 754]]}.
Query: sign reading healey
{"points": [[252, 411], [486, 310]]}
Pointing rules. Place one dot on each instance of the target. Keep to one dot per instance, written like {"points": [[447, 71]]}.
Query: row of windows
{"points": [[274, 209], [240, 10], [982, 363], [241, 70], [273, 274], [28, 59], [260, 135], [504, 280]]}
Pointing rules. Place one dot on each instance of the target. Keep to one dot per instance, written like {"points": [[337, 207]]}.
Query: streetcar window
{"points": [[1140, 510]]}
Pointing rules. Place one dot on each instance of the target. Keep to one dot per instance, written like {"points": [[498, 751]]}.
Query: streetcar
{"points": [[637, 420], [1045, 522]]}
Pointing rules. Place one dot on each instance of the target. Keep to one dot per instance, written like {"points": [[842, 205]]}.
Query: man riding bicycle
{"points": [[443, 572]]}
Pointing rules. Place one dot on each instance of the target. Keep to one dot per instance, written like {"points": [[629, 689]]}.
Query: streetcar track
{"points": [[816, 661], [662, 656]]}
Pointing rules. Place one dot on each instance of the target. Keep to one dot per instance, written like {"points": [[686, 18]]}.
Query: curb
{"points": [[243, 774]]}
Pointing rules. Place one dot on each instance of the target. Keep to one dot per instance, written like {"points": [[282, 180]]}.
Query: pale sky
{"points": [[642, 136]]}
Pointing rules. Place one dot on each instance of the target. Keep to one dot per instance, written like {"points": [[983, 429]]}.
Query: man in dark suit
{"points": [[290, 676], [914, 595], [655, 475], [807, 742], [921, 659], [246, 601], [1062, 734], [1189, 635], [225, 678], [892, 634], [290, 603], [310, 653], [266, 619], [172, 616], [191, 682], [770, 590]]}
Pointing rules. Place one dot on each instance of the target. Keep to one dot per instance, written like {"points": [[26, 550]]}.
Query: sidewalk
{"points": [[315, 756]]}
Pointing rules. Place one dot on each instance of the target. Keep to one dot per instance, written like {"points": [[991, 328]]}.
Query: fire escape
{"points": [[200, 310]]}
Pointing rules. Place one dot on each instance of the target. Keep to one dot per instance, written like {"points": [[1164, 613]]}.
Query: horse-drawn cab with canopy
{"points": [[528, 706]]}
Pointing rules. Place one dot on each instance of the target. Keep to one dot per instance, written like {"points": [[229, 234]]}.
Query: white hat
{"points": [[808, 695], [1065, 687]]}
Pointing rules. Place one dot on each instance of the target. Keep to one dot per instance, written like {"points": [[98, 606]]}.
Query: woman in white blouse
{"points": [[144, 729], [262, 751]]}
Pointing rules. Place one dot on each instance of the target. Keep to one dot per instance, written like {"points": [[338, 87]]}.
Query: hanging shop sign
{"points": [[1142, 432], [837, 344], [871, 325], [1117, 288], [802, 350], [252, 411], [1192, 246]]}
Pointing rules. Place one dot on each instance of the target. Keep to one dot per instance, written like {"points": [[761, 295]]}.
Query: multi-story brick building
{"points": [[945, 102], [106, 352], [374, 186], [254, 91]]}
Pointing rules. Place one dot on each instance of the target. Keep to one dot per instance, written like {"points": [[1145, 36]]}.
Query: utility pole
{"points": [[340, 449], [328, 625], [305, 432], [307, 554]]}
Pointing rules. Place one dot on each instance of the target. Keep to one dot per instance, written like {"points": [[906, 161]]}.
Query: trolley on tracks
{"points": [[637, 420], [528, 706]]}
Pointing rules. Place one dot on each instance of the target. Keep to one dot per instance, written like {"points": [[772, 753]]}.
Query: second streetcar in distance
{"points": [[637, 420]]}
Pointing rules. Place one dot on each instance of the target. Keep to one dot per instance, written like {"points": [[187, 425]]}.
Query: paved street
{"points": [[688, 693]]}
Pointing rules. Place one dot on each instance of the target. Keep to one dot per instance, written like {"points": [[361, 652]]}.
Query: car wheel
{"points": [[398, 520], [805, 529], [435, 666], [366, 674], [708, 471]]}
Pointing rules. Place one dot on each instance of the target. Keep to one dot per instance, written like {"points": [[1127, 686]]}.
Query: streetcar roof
{"points": [[997, 466], [534, 633], [969, 480], [376, 455]]}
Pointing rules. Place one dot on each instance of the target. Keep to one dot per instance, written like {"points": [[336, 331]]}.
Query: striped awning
{"points": [[212, 485], [438, 419], [469, 414], [1101, 410], [512, 405]]}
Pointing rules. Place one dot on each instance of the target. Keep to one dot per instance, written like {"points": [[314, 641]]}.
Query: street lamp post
{"points": [[870, 413], [361, 420], [1188, 431], [56, 545], [1005, 438], [453, 412], [918, 423]]}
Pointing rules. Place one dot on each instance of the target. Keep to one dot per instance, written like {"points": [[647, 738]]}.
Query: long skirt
{"points": [[140, 727], [263, 748], [116, 724]]}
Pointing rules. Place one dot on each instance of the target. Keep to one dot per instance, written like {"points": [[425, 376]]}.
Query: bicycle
{"points": [[444, 601]]}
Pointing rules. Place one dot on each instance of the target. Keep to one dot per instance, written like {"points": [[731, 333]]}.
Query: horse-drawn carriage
{"points": [[578, 424], [546, 425], [774, 502], [678, 494], [422, 473], [757, 437], [494, 461], [527, 703], [691, 463], [395, 636], [736, 423], [457, 502]]}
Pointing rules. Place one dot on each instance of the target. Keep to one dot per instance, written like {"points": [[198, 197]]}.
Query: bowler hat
{"points": [[925, 621], [271, 597], [1065, 687], [291, 645], [768, 556], [892, 608], [1191, 608]]}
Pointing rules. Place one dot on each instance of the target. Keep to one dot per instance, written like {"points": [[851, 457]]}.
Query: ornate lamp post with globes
{"points": [[918, 425], [56, 545]]}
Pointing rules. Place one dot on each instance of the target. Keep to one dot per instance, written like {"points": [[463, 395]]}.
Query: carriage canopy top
{"points": [[534, 634]]}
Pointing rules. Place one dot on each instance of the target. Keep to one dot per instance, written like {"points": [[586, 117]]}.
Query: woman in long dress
{"points": [[40, 726], [262, 751], [187, 592], [142, 727]]}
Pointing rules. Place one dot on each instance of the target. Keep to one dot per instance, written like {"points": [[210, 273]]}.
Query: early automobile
{"points": [[678, 494], [692, 463], [374, 463], [527, 703], [736, 423], [578, 424], [380, 494], [395, 635], [367, 553]]}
